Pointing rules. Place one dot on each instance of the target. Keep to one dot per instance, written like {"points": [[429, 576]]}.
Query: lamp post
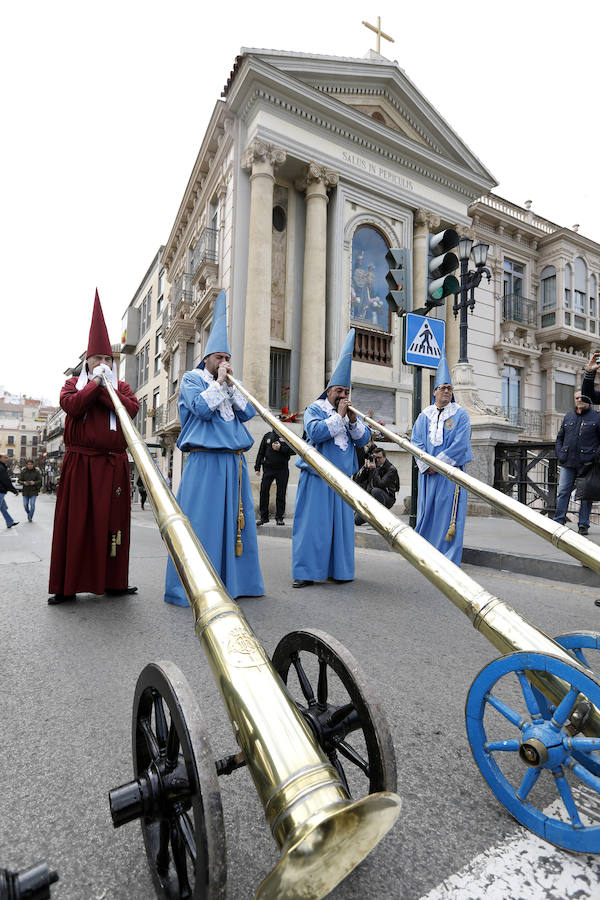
{"points": [[469, 280]]}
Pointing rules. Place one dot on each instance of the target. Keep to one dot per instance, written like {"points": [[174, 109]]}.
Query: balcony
{"points": [[516, 308], [530, 420], [372, 346], [205, 250], [166, 419]]}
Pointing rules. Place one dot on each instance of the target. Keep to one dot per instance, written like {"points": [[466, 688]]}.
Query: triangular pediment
{"points": [[380, 97]]}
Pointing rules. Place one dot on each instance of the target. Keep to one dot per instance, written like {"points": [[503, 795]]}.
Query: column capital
{"points": [[426, 217], [465, 231], [317, 174], [260, 151]]}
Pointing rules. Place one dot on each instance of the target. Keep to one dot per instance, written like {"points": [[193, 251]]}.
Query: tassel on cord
{"points": [[113, 545], [452, 529], [239, 547]]}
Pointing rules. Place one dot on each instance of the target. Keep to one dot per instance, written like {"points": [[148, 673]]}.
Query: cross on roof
{"points": [[380, 34]]}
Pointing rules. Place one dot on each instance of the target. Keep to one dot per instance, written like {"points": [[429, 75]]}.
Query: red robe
{"points": [[93, 501]]}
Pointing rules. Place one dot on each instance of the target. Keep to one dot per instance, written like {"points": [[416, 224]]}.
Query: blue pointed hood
{"points": [[218, 341], [442, 375], [341, 375]]}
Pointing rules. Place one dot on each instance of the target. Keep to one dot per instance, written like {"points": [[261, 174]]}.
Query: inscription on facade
{"points": [[378, 171]]}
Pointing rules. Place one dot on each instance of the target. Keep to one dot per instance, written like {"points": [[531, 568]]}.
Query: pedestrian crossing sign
{"points": [[424, 341]]}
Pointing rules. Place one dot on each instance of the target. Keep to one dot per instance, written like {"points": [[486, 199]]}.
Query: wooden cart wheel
{"points": [[341, 707], [175, 793]]}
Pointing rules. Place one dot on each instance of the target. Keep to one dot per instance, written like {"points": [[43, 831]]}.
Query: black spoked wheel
{"points": [[182, 819], [341, 707]]}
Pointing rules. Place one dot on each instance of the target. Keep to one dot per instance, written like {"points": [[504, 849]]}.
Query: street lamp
{"points": [[469, 280]]}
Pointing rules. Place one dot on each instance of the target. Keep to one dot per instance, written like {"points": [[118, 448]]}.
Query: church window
{"points": [[368, 288], [279, 218]]}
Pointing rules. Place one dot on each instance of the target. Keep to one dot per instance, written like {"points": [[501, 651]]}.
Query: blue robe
{"points": [[323, 532], [212, 417], [447, 436]]}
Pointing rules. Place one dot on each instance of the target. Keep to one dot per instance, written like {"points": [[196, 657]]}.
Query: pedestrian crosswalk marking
{"points": [[425, 343]]}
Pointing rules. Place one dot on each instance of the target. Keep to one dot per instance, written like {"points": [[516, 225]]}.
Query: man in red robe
{"points": [[90, 543]]}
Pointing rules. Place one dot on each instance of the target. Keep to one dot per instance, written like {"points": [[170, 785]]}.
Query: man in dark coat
{"points": [[379, 478], [274, 457], [31, 479], [5, 486], [577, 443], [90, 543]]}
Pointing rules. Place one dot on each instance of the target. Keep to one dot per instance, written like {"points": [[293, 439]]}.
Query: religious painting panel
{"points": [[368, 287]]}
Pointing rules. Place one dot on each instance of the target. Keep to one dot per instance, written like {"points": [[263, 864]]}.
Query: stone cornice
{"points": [[258, 82], [217, 139], [343, 73]]}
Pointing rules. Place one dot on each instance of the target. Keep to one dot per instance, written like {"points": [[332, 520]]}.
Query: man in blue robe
{"points": [[323, 532], [443, 430], [215, 490]]}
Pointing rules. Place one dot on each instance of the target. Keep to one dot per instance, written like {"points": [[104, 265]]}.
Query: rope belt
{"points": [[452, 529], [239, 547]]}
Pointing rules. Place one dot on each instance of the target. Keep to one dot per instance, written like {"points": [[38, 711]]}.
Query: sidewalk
{"points": [[496, 543]]}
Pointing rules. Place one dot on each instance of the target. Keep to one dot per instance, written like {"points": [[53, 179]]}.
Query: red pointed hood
{"points": [[98, 342]]}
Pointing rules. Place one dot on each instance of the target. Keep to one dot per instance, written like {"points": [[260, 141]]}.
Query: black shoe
{"points": [[13, 525], [262, 521], [118, 592], [584, 529], [60, 598], [280, 521], [301, 582], [597, 602], [358, 520]]}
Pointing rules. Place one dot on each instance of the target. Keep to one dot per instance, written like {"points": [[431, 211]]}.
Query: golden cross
{"points": [[380, 34]]}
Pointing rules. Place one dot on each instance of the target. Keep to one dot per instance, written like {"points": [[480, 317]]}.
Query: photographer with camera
{"points": [[379, 478]]}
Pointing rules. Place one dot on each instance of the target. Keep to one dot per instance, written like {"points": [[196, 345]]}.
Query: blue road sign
{"points": [[424, 340]]}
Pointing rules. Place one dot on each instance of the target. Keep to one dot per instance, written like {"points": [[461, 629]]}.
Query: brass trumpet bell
{"points": [[328, 847]]}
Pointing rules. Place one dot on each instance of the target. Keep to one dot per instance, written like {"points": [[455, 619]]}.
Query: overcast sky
{"points": [[104, 107]]}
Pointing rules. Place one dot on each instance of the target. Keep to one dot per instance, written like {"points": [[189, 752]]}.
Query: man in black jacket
{"points": [[577, 443], [6, 485], [379, 478], [274, 456]]}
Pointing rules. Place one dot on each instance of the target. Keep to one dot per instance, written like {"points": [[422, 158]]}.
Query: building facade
{"points": [[22, 421], [141, 357], [311, 168]]}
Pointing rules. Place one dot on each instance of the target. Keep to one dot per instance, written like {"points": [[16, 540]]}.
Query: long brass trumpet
{"points": [[575, 545], [506, 629], [322, 834]]}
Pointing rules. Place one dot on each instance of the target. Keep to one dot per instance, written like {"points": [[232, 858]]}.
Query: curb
{"points": [[573, 572]]}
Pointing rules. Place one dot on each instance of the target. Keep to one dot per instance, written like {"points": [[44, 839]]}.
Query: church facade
{"points": [[310, 169]]}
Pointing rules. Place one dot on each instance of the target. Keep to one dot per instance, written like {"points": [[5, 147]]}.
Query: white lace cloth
{"points": [[436, 430], [222, 397], [339, 427]]}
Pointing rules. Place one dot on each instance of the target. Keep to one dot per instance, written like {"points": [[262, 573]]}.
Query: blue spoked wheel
{"points": [[576, 642], [527, 758]]}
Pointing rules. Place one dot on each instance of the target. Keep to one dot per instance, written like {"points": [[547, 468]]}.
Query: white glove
{"points": [[101, 370]]}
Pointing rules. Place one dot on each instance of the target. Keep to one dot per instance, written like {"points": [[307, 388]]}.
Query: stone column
{"points": [[315, 182], [260, 159]]}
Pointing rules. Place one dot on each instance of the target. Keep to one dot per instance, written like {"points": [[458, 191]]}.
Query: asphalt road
{"points": [[67, 677]]}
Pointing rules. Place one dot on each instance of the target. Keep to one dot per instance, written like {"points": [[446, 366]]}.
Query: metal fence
{"points": [[529, 472]]}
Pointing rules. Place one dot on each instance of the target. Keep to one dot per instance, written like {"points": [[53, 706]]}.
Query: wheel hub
{"points": [[542, 746]]}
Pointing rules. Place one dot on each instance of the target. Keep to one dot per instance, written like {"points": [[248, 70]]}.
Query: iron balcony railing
{"points": [[516, 308], [182, 291], [529, 419], [529, 473], [205, 249]]}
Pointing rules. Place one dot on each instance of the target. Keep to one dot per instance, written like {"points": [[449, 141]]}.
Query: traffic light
{"points": [[440, 266], [399, 296]]}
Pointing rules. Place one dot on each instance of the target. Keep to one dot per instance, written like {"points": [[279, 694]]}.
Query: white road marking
{"points": [[528, 868]]}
